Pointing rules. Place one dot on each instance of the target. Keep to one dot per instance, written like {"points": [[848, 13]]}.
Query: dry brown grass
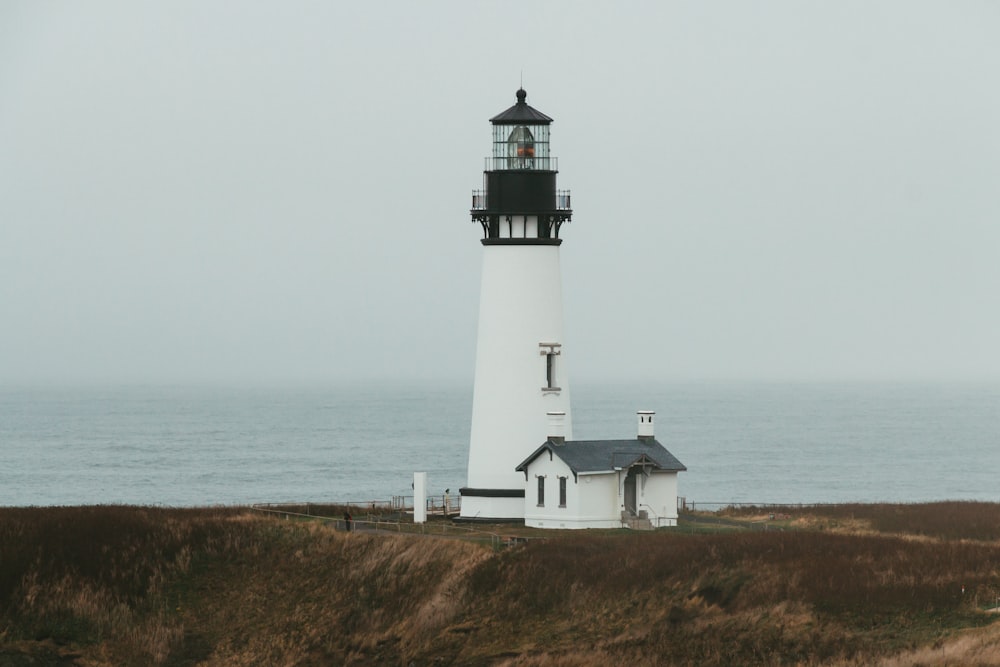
{"points": [[740, 598], [977, 647], [138, 586], [949, 520], [90, 574]]}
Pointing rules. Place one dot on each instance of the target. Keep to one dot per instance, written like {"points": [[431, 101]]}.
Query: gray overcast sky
{"points": [[220, 191]]}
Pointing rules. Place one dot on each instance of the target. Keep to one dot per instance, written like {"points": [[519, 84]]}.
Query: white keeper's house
{"points": [[523, 462], [601, 483]]}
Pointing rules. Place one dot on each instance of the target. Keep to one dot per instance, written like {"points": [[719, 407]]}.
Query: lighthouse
{"points": [[520, 356]]}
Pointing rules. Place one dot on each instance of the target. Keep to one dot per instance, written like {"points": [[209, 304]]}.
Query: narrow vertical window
{"points": [[562, 492], [550, 351], [541, 491]]}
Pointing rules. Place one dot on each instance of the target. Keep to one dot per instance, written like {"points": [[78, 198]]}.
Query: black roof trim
{"points": [[521, 241], [491, 493]]}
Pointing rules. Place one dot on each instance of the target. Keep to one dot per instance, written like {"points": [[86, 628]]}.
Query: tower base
{"points": [[492, 505]]}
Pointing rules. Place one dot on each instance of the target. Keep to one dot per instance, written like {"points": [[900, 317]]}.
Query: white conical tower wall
{"points": [[520, 308]]}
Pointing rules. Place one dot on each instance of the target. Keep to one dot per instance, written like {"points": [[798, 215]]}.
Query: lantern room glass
{"points": [[521, 147]]}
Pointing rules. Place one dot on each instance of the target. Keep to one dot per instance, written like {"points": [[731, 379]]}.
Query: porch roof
{"points": [[589, 456]]}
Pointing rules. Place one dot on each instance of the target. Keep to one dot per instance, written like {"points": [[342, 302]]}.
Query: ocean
{"points": [[741, 442]]}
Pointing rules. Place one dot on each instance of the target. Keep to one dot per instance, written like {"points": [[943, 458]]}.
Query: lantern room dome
{"points": [[521, 113]]}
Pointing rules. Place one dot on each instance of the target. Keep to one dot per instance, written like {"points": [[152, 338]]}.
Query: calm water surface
{"points": [[741, 442]]}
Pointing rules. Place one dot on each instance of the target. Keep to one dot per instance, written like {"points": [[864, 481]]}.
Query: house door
{"points": [[630, 492]]}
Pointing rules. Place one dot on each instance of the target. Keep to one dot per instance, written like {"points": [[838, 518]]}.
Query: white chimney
{"points": [[557, 427], [645, 424]]}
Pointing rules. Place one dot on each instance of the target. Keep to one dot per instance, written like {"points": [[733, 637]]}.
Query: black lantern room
{"points": [[519, 203]]}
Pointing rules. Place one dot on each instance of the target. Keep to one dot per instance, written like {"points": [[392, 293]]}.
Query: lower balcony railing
{"points": [[481, 200]]}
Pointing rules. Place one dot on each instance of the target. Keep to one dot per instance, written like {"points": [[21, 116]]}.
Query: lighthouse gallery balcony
{"points": [[481, 201], [523, 160]]}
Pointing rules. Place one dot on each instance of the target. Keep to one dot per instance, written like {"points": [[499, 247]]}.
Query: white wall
{"points": [[596, 500], [521, 227], [590, 500], [551, 512], [659, 498], [520, 307], [599, 498], [475, 507]]}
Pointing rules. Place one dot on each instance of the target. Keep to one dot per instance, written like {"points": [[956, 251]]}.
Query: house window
{"points": [[562, 492], [541, 491]]}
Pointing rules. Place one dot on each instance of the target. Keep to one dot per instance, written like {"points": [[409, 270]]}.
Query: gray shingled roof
{"points": [[606, 455], [521, 114]]}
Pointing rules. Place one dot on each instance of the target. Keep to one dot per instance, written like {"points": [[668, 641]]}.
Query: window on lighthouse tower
{"points": [[521, 148], [550, 351]]}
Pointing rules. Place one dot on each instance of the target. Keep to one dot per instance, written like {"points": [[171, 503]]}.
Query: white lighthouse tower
{"points": [[520, 359]]}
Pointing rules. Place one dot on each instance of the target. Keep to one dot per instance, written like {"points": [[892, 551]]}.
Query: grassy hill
{"points": [[848, 585]]}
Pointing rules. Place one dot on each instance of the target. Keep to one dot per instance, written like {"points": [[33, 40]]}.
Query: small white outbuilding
{"points": [[600, 483]]}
